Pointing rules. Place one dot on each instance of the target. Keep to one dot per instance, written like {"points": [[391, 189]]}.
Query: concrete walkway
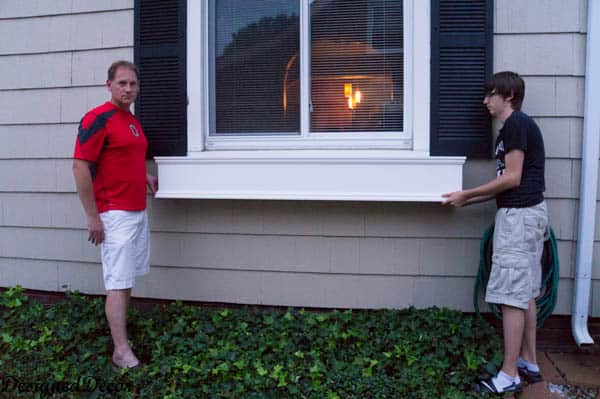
{"points": [[573, 375]]}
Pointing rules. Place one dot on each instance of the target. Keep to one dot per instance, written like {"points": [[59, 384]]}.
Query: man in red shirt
{"points": [[109, 167]]}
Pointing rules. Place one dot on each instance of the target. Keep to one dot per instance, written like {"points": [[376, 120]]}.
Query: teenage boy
{"points": [[520, 224]]}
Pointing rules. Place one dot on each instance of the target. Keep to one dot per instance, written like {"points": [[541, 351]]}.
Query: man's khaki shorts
{"points": [[125, 250], [516, 274]]}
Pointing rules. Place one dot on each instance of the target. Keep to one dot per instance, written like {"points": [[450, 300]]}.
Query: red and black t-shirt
{"points": [[113, 141]]}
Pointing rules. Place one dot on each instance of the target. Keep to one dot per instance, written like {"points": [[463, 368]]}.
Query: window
{"points": [[356, 50], [313, 99], [306, 74], [254, 67]]}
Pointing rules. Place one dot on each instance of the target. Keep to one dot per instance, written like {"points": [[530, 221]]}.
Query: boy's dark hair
{"points": [[507, 84], [112, 69]]}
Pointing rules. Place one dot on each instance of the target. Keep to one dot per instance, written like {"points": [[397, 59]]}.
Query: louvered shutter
{"points": [[461, 61], [160, 53]]}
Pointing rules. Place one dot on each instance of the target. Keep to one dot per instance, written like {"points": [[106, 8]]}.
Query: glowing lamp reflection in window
{"points": [[353, 96]]}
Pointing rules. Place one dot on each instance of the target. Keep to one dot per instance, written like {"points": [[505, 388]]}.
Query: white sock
{"points": [[530, 366], [502, 380]]}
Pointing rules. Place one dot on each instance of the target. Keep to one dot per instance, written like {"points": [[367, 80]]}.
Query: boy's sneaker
{"points": [[488, 386], [530, 376]]}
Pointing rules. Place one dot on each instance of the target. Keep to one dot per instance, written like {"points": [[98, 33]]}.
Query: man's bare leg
{"points": [[513, 324], [528, 350], [117, 302]]}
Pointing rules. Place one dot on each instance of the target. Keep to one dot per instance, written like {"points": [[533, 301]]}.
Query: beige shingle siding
{"points": [[88, 31], [545, 41], [11, 9], [54, 68], [61, 70], [337, 254], [539, 16], [37, 141]]}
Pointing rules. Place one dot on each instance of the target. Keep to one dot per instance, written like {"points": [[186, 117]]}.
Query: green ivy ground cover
{"points": [[195, 352]]}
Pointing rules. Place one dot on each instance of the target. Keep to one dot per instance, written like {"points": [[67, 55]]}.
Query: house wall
{"points": [[545, 41], [323, 254]]}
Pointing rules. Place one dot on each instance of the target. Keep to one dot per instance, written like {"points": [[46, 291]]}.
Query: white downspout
{"points": [[589, 179]]}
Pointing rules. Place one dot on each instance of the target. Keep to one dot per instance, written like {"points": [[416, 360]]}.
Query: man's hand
{"points": [[95, 229], [152, 182], [457, 198], [85, 188]]}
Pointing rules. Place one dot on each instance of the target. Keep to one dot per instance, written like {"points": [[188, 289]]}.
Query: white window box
{"points": [[365, 175]]}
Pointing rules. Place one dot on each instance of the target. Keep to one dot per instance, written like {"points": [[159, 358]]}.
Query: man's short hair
{"points": [[507, 84], [112, 69]]}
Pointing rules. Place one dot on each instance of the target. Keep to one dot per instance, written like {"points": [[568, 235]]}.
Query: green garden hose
{"points": [[550, 275]]}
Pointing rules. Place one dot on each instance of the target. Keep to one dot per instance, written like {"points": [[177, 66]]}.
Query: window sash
{"points": [[259, 109], [357, 73], [306, 139]]}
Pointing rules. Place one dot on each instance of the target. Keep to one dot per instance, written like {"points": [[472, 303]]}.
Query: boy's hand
{"points": [[456, 198]]}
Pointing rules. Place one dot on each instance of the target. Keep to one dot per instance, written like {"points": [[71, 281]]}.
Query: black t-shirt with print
{"points": [[520, 132]]}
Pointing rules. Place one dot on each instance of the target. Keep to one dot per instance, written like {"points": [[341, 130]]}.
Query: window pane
{"points": [[357, 58], [256, 69]]}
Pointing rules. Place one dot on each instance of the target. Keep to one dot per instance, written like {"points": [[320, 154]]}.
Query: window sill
{"points": [[357, 175]]}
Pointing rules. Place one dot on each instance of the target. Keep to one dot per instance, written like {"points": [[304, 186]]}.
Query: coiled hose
{"points": [[550, 275]]}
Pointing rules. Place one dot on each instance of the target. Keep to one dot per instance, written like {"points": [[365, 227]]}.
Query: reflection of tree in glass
{"points": [[250, 74]]}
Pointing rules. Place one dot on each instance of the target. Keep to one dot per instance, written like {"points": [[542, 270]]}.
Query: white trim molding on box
{"points": [[379, 166], [360, 175]]}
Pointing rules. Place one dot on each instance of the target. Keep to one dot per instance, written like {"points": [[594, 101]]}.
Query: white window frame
{"points": [[322, 167]]}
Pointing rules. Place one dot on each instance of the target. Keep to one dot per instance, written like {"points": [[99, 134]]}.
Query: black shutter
{"points": [[461, 61], [160, 53]]}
